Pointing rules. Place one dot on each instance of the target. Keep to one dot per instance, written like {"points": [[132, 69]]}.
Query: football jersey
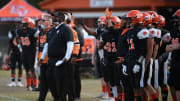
{"points": [[28, 41], [137, 42], [110, 41], [12, 40], [164, 42]]}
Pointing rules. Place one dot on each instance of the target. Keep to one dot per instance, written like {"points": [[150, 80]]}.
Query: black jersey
{"points": [[137, 42], [58, 41], [12, 35], [28, 40], [110, 41], [165, 40]]}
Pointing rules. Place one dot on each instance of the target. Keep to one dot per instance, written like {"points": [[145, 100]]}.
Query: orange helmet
{"points": [[136, 16], [29, 21], [177, 13], [116, 21], [102, 20], [154, 16], [147, 19], [161, 21]]}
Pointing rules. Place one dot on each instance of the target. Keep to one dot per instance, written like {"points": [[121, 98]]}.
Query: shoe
{"points": [[19, 84], [35, 89], [12, 84], [100, 95], [105, 96], [109, 99], [29, 88], [77, 99]]}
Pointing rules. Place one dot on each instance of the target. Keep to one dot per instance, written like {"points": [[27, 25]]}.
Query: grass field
{"points": [[89, 92]]}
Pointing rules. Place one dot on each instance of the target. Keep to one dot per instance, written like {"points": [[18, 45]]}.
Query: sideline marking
{"points": [[12, 98]]}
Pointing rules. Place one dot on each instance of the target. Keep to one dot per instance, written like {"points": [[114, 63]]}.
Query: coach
{"points": [[59, 49]]}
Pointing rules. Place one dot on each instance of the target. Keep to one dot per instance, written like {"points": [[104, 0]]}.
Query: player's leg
{"points": [[31, 62], [150, 91], [13, 66], [20, 71], [77, 82]]}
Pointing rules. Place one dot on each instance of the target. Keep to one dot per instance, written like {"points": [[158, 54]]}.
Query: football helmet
{"points": [[161, 21], [116, 21], [102, 20], [177, 13], [147, 19], [154, 16], [29, 21], [136, 16]]}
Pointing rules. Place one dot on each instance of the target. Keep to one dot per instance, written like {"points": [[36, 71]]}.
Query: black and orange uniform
{"points": [[45, 72], [162, 56], [28, 44], [109, 43], [15, 55], [175, 70]]}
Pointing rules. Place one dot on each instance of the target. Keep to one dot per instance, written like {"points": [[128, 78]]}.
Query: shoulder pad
{"points": [[143, 33], [166, 37], [152, 32], [158, 33]]}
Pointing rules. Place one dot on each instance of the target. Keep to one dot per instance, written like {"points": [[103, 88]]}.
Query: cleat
{"points": [[19, 84], [12, 84]]}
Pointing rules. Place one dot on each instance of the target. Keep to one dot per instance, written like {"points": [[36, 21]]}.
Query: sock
{"points": [[110, 94], [154, 97], [34, 82], [120, 97], [137, 97], [114, 91], [164, 93], [104, 88], [147, 98], [174, 99], [28, 82], [19, 77], [12, 77]]}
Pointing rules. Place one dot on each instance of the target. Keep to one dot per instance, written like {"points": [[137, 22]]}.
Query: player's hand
{"points": [[73, 60], [107, 13], [59, 62], [124, 69], [136, 68], [121, 59]]}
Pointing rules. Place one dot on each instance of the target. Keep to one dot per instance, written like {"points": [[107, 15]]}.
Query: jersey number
{"points": [[131, 44], [43, 39], [25, 41], [110, 47]]}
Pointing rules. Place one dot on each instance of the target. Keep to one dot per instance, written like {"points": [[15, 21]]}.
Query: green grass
{"points": [[90, 89]]}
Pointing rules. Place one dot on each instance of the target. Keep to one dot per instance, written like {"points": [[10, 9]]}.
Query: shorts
{"points": [[155, 74], [112, 72], [163, 68], [174, 75], [28, 60], [15, 58]]}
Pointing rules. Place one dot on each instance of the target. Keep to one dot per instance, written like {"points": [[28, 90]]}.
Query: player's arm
{"points": [[171, 47], [150, 43], [36, 34], [155, 50], [91, 31]]}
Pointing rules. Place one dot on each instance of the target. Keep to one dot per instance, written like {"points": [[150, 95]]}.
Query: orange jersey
{"points": [[76, 43], [39, 56]]}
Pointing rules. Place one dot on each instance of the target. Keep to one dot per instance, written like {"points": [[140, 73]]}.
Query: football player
{"points": [[27, 37], [15, 56]]}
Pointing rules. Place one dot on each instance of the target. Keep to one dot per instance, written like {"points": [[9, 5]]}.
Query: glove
{"points": [[136, 68], [59, 62], [124, 69], [107, 13]]}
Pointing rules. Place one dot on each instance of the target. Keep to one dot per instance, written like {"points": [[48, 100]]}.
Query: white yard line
{"points": [[12, 98]]}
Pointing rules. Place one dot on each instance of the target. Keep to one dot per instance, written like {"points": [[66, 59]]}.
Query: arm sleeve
{"points": [[69, 49], [45, 51], [36, 33]]}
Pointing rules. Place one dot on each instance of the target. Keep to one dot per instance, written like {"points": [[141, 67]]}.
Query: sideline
{"points": [[12, 98]]}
